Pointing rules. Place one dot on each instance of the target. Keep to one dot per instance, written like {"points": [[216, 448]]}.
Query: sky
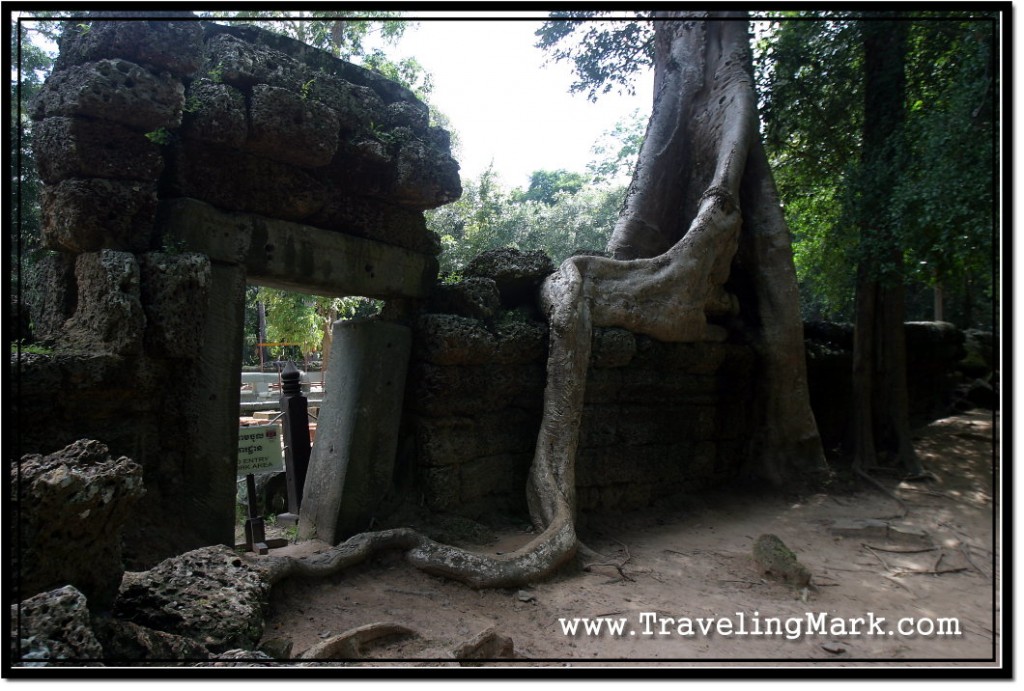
{"points": [[505, 104]]}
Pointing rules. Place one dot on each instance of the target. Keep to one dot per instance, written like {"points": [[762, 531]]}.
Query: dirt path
{"points": [[693, 561]]}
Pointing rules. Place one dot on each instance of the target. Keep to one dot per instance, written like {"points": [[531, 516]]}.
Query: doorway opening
{"points": [[282, 328]]}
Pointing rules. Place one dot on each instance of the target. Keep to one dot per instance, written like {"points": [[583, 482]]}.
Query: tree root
{"points": [[706, 116], [883, 489]]}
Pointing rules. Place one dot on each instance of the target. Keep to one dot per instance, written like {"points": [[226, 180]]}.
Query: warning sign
{"points": [[259, 450]]}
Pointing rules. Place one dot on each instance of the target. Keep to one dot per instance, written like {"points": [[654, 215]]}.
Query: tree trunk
{"points": [[880, 413], [702, 190]]}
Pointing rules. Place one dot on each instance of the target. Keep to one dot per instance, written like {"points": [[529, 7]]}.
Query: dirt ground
{"points": [[693, 561]]}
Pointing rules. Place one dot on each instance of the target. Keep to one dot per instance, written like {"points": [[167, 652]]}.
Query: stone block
{"points": [[501, 475], [208, 594], [517, 274], [146, 38], [439, 391], [425, 177], [53, 628], [441, 442], [447, 339], [109, 316], [80, 148], [289, 128], [125, 641], [215, 113], [69, 509], [51, 294], [244, 63], [456, 440], [363, 166], [440, 487], [612, 347], [357, 107], [375, 219], [174, 289], [239, 181], [197, 226], [412, 114], [84, 215], [476, 298], [116, 91], [353, 459]]}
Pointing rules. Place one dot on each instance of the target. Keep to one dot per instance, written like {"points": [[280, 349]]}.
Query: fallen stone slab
{"points": [[210, 594], [350, 645], [876, 529]]}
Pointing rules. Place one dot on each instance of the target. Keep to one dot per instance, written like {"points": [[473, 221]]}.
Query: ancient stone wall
{"points": [[181, 160], [660, 419]]}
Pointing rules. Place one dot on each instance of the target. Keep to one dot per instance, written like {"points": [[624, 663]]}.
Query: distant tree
{"points": [[615, 153], [559, 213], [307, 319], [545, 184], [329, 30], [32, 62], [811, 80]]}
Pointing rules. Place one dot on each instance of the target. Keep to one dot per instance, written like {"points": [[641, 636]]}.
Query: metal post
{"points": [[294, 407], [255, 531]]}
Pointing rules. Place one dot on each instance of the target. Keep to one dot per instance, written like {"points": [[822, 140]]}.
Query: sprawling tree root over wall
{"points": [[701, 158]]}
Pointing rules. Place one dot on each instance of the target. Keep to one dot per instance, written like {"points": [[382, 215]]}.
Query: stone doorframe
{"points": [[246, 248]]}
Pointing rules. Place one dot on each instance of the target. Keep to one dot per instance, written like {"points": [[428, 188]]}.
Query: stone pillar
{"points": [[357, 432]]}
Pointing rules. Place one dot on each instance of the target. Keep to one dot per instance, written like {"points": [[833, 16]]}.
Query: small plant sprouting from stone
{"points": [[216, 74], [83, 29], [306, 89], [30, 348], [193, 104], [160, 137], [380, 134]]}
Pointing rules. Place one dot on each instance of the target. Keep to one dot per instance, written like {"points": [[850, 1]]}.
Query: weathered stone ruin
{"points": [[183, 159]]}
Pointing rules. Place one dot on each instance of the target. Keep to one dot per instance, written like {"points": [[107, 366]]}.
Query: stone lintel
{"points": [[293, 256]]}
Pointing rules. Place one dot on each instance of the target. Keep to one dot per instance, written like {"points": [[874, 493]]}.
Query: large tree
{"points": [[881, 132], [702, 202], [880, 405]]}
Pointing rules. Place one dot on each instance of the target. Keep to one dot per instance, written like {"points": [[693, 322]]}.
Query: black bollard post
{"points": [[294, 407]]}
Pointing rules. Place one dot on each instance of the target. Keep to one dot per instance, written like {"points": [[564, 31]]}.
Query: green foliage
{"points": [[216, 74], [304, 319], [616, 152], [407, 72], [934, 197], [325, 29], [33, 44], [809, 75], [160, 137], [29, 349], [545, 185], [489, 216], [945, 202], [606, 49]]}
